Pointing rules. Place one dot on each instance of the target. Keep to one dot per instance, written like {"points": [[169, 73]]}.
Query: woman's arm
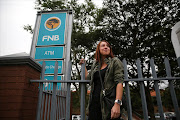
{"points": [[119, 91], [115, 111], [86, 73]]}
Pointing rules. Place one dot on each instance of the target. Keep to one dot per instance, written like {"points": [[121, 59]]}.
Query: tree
{"points": [[141, 29], [166, 98]]}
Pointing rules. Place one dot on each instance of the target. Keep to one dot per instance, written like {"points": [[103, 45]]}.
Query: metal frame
{"points": [[35, 35]]}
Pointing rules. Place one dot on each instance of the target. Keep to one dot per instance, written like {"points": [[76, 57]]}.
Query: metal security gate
{"points": [[54, 103], [156, 86], [51, 104], [51, 100]]}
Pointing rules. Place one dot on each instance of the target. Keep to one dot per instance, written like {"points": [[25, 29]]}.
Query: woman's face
{"points": [[104, 49]]}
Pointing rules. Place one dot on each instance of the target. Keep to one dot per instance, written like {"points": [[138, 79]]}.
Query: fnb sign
{"points": [[50, 38], [52, 29]]}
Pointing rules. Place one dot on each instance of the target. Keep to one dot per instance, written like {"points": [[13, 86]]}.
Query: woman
{"points": [[111, 70]]}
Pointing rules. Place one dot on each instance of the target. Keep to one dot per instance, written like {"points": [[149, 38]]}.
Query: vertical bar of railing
{"points": [[42, 102], [61, 104], [64, 104], [142, 91], [40, 92], [57, 112], [56, 103], [158, 95], [171, 87], [59, 100], [45, 112], [128, 97], [68, 95], [53, 102], [49, 106], [83, 92], [68, 73]]}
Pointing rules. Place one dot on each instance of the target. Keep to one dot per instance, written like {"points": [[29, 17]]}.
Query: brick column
{"points": [[18, 97]]}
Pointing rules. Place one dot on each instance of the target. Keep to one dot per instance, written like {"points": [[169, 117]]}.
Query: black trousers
{"points": [[95, 112]]}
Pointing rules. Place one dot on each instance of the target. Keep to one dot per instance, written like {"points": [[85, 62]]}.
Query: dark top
{"points": [[95, 106], [97, 84]]}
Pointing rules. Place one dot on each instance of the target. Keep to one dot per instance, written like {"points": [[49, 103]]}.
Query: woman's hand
{"points": [[82, 61], [115, 111]]}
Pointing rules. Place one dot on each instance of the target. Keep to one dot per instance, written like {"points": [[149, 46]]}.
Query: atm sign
{"points": [[49, 52]]}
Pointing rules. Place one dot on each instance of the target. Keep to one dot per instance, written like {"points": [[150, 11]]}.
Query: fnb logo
{"points": [[53, 23]]}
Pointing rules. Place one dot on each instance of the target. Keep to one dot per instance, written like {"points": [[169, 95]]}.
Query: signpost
{"points": [[52, 42], [175, 37]]}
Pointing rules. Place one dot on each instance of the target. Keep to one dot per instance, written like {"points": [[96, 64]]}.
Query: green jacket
{"points": [[113, 76]]}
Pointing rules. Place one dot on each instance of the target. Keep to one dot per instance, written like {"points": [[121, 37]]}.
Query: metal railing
{"points": [[52, 101], [57, 101]]}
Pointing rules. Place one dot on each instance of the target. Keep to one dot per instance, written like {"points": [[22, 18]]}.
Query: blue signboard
{"points": [[52, 42], [50, 65], [49, 52], [49, 86], [52, 29]]}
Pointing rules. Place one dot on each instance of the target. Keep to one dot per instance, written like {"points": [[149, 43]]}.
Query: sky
{"points": [[14, 15]]}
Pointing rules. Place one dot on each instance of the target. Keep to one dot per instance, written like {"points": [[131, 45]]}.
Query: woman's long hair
{"points": [[98, 54]]}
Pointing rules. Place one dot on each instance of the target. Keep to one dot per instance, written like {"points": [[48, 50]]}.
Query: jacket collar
{"points": [[106, 60]]}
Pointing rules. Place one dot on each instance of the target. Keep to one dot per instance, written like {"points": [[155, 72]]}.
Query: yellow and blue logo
{"points": [[53, 23]]}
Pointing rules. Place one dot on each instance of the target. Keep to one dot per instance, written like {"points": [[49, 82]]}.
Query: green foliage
{"points": [[28, 28], [75, 102], [136, 103], [50, 5], [141, 29], [166, 98]]}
